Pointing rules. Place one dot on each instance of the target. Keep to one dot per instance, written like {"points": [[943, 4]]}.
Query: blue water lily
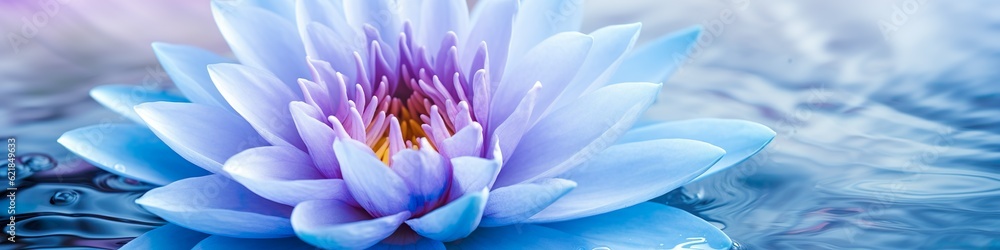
{"points": [[347, 124]]}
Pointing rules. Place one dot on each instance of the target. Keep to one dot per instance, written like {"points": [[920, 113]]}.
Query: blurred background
{"points": [[887, 114]]}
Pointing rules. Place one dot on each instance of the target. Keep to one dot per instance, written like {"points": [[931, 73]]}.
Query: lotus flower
{"points": [[360, 123]]}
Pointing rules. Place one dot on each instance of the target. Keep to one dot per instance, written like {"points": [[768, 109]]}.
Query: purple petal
{"points": [[516, 203], [465, 142], [452, 221], [204, 135], [130, 150], [297, 180], [552, 146], [334, 224], [628, 174], [261, 99], [373, 184], [215, 204], [318, 138]]}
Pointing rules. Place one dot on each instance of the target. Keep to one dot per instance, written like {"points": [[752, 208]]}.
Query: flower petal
{"points": [[383, 15], [122, 98], [334, 224], [628, 174], [472, 174], [204, 135], [516, 203], [187, 67], [215, 204], [741, 140], [560, 56], [261, 99], [166, 237], [222, 243], [374, 185], [452, 221], [552, 146], [318, 138], [521, 236], [262, 39], [426, 174], [646, 226], [296, 180], [540, 19], [466, 142], [439, 17], [492, 21], [656, 61], [609, 50], [130, 150]]}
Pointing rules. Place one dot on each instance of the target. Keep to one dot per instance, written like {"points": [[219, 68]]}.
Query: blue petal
{"points": [[285, 9], [554, 62], [262, 39], [656, 61], [516, 203], [383, 15], [332, 46], [628, 174], [419, 244], [452, 221], [222, 243], [492, 21], [122, 98], [130, 150], [552, 146], [521, 236], [740, 139], [540, 19], [374, 185], [337, 225], [217, 205], [261, 99], [471, 174], [166, 237], [438, 17], [204, 135], [647, 226], [508, 133], [297, 180], [610, 47], [187, 67], [425, 173]]}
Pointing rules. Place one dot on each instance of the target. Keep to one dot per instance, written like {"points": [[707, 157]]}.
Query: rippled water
{"points": [[882, 143]]}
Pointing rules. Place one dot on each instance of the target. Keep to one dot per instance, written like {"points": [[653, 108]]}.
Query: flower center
{"points": [[409, 102]]}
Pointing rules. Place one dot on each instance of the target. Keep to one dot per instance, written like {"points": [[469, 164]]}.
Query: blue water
{"points": [[885, 141]]}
